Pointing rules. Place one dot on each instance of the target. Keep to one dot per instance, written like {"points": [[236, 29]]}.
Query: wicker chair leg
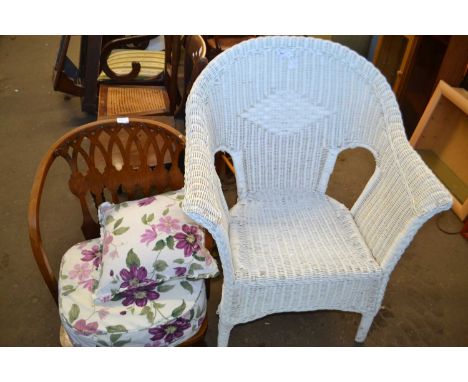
{"points": [[224, 329], [364, 326]]}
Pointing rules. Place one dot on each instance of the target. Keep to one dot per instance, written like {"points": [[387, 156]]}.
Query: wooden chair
{"points": [[136, 100], [80, 80], [194, 62], [66, 77], [107, 158], [123, 98]]}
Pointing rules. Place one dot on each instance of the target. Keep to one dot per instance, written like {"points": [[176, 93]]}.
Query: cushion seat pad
{"points": [[165, 314]]}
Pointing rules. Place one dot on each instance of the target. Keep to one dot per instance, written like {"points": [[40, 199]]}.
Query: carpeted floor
{"points": [[426, 303]]}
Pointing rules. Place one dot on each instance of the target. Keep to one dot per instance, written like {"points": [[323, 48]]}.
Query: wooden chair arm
{"points": [[34, 227], [123, 43]]}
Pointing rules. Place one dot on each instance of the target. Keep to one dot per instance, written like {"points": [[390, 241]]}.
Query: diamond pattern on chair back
{"points": [[284, 107]]}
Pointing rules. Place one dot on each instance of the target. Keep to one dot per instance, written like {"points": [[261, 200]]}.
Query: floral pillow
{"points": [[149, 241]]}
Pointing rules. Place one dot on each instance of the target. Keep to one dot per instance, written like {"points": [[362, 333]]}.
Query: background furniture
{"points": [[393, 56], [216, 44], [124, 61], [137, 100], [79, 81], [66, 76], [109, 161], [414, 65], [82, 80], [133, 100], [441, 138], [284, 108]]}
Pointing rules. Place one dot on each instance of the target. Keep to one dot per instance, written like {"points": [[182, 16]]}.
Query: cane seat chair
{"points": [[136, 100], [283, 108], [109, 161]]}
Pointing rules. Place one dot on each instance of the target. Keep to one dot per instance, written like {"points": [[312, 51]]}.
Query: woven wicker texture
{"points": [[136, 100], [284, 108]]}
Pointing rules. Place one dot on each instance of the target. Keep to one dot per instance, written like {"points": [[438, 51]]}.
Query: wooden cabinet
{"points": [[393, 55], [414, 65], [441, 138]]}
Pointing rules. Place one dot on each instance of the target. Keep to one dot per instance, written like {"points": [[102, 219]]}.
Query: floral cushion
{"points": [[148, 241], [169, 314]]}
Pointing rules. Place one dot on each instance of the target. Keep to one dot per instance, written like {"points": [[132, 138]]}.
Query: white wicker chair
{"points": [[284, 107]]}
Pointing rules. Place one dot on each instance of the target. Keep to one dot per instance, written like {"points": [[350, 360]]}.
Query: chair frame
{"points": [[130, 179]]}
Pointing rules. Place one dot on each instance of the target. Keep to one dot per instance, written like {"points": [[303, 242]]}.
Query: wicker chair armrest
{"points": [[123, 43], [400, 197], [204, 200]]}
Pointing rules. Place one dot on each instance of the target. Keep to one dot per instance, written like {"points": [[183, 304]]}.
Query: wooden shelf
{"points": [[441, 138]]}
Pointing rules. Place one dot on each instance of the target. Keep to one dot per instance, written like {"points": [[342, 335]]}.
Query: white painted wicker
{"points": [[284, 107]]}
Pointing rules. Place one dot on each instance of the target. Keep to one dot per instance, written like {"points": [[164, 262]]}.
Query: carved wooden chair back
{"points": [[108, 161], [133, 43], [172, 46]]}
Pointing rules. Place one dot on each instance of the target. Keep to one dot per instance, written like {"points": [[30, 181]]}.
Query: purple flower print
{"points": [[180, 271], [134, 277], [189, 240], [89, 284], [106, 240], [149, 235], [80, 272], [171, 331], [85, 328], [146, 201], [140, 295], [206, 254], [93, 254], [168, 224]]}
